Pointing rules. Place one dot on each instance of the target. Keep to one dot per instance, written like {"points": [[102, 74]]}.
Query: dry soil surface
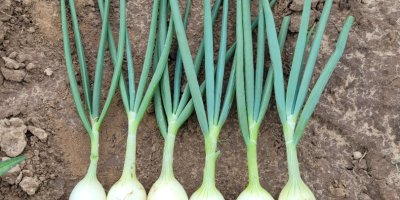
{"points": [[346, 151]]}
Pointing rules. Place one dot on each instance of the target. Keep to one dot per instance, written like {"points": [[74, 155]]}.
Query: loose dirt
{"points": [[358, 113]]}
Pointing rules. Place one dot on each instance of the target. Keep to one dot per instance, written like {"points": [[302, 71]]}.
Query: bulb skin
{"points": [[207, 194], [169, 189], [252, 193], [296, 191], [127, 190], [89, 188]]}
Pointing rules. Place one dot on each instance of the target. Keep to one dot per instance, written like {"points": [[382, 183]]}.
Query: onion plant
{"points": [[172, 110], [136, 101], [210, 123], [166, 187], [251, 97], [6, 165], [293, 115], [89, 187]]}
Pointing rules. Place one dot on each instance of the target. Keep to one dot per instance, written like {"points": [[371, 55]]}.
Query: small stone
{"points": [[30, 67], [38, 132], [21, 58], [357, 155], [27, 173], [13, 75], [28, 78], [11, 177], [1, 79], [30, 185], [31, 29], [27, 2], [12, 64], [13, 55], [297, 5], [363, 164], [12, 137], [42, 178], [392, 22], [48, 72], [5, 7], [338, 192], [19, 178]]}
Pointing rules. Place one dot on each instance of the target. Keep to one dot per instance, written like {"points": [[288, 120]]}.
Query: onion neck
{"points": [[293, 164], [211, 158], [129, 171], [291, 150], [254, 180], [167, 172], [94, 152]]}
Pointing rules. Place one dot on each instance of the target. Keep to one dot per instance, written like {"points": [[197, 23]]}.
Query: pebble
{"points": [[30, 67], [31, 29], [13, 54], [357, 155], [29, 185], [11, 177], [12, 137], [13, 75], [26, 172], [21, 58], [12, 64], [1, 79], [48, 72], [363, 164], [27, 2], [338, 192], [38, 132]]}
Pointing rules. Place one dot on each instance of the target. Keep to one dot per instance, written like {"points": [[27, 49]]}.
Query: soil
{"points": [[345, 153]]}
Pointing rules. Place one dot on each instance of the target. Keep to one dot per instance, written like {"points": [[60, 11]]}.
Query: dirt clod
{"points": [[30, 67], [5, 7], [338, 192], [12, 64], [13, 75], [12, 136], [38, 132], [29, 185]]}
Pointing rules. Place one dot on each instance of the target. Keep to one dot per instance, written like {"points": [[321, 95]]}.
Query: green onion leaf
{"points": [[6, 165], [322, 81]]}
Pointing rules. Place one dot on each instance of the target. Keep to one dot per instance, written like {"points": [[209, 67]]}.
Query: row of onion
{"points": [[173, 107]]}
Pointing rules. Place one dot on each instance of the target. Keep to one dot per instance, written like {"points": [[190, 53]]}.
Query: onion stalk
{"points": [[289, 106], [251, 97], [89, 187]]}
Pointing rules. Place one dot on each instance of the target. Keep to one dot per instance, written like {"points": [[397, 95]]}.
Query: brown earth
{"points": [[357, 116]]}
